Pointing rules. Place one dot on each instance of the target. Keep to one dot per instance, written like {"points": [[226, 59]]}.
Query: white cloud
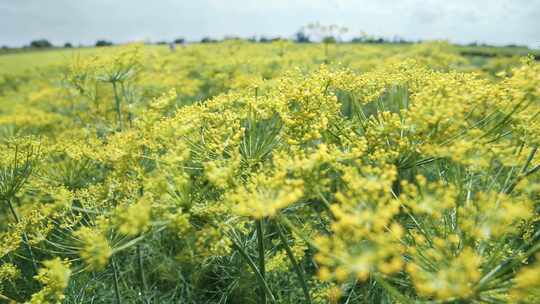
{"points": [[495, 21]]}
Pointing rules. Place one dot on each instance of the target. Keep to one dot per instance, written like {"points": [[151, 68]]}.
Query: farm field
{"points": [[238, 172]]}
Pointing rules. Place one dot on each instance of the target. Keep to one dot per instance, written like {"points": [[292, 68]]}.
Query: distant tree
{"points": [[301, 37], [162, 42], [68, 45], [232, 38], [101, 43], [40, 43], [277, 39], [374, 40], [179, 40], [361, 38], [329, 39], [208, 40], [403, 41], [263, 39], [399, 40], [357, 40], [252, 39], [515, 46]]}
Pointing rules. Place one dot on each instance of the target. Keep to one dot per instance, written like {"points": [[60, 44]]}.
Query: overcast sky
{"points": [[85, 21]]}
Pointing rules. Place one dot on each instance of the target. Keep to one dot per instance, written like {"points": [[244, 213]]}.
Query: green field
{"points": [[239, 172]]}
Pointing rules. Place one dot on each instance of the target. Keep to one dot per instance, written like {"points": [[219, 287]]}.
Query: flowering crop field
{"points": [[237, 172]]}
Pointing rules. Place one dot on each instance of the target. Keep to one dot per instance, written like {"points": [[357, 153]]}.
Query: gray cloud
{"points": [[84, 21]]}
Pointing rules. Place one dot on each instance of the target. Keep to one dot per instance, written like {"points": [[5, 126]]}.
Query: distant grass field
{"points": [[497, 51], [24, 61], [21, 62], [15, 63]]}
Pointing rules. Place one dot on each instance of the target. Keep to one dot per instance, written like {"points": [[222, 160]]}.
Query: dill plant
{"points": [[185, 177]]}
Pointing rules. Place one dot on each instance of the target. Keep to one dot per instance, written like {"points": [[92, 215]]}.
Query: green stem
{"points": [[509, 263], [297, 267], [13, 211], [254, 268], [116, 289], [260, 243], [529, 160], [24, 236], [117, 106], [141, 269], [523, 173], [6, 298], [285, 221], [392, 290], [533, 170], [326, 60]]}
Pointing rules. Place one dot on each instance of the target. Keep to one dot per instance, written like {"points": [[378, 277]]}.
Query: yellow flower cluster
{"points": [[527, 284], [55, 278], [265, 195], [395, 174], [454, 278], [135, 218], [95, 250]]}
